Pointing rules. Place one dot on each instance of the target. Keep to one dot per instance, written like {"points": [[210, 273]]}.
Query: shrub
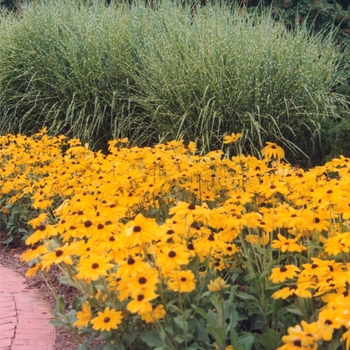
{"points": [[159, 72]]}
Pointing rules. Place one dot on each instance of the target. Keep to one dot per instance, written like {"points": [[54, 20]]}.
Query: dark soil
{"points": [[9, 257]]}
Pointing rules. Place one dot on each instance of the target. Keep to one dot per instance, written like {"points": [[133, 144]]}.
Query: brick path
{"points": [[23, 316]]}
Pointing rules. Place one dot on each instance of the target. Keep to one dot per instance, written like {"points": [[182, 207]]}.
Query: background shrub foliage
{"points": [[169, 71]]}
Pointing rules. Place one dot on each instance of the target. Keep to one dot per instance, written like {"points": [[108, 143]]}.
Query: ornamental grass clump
{"points": [[167, 71], [167, 249]]}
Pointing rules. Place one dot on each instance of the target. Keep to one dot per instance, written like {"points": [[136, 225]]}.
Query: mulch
{"points": [[10, 258]]}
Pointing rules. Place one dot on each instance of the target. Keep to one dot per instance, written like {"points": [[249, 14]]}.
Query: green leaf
{"points": [[201, 334], [201, 312], [130, 338], [152, 339], [67, 281], [218, 333], [246, 296], [113, 347], [82, 347], [57, 323], [106, 335], [179, 339], [270, 339], [71, 316], [295, 311], [179, 320], [234, 338], [246, 342]]}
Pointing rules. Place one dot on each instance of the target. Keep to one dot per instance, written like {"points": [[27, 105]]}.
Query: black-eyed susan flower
{"points": [[232, 138], [217, 285], [94, 266], [142, 302], [263, 239], [298, 289], [301, 338], [60, 255], [272, 150], [84, 317], [34, 252], [330, 319], [107, 320], [339, 243], [287, 245], [145, 279], [172, 257], [280, 274], [158, 312], [141, 230], [182, 281]]}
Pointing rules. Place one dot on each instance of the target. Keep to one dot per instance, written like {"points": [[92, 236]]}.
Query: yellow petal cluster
{"points": [[129, 225]]}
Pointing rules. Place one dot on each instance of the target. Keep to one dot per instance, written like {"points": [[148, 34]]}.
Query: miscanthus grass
{"points": [[166, 71], [168, 249]]}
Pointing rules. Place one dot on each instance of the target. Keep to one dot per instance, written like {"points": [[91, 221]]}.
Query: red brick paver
{"points": [[23, 317]]}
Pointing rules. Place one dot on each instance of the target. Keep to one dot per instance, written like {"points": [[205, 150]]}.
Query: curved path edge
{"points": [[23, 316]]}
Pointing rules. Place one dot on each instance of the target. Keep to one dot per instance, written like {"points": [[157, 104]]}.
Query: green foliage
{"points": [[98, 72], [14, 220]]}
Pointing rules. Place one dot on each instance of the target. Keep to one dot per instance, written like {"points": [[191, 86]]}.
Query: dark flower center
{"points": [[95, 265], [106, 319], [59, 253], [140, 297], [283, 269], [191, 206], [183, 279], [131, 261], [142, 280], [137, 229], [171, 254], [87, 223]]}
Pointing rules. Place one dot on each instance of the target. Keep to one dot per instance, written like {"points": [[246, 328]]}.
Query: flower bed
{"points": [[170, 250]]}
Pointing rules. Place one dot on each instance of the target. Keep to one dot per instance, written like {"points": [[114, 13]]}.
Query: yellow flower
{"points": [[279, 274], [33, 253], [182, 282], [141, 303], [84, 316], [289, 245], [299, 338], [272, 150], [257, 240], [232, 138], [59, 256], [144, 280], [217, 285], [141, 230], [93, 267], [301, 290], [158, 312], [107, 320], [172, 257]]}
